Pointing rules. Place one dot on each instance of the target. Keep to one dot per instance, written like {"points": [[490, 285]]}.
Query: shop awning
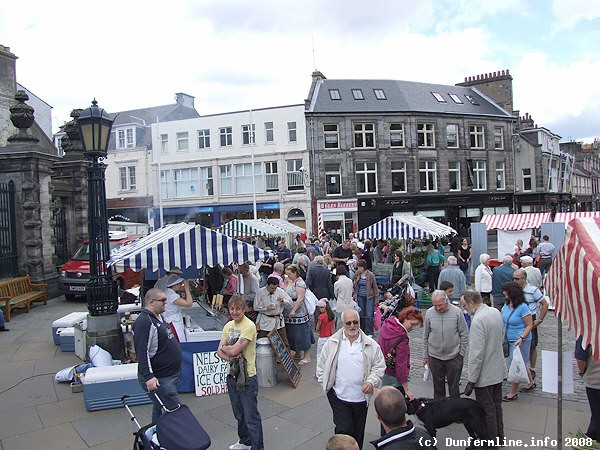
{"points": [[239, 228], [514, 222], [290, 228], [568, 216], [183, 245], [405, 227], [573, 282]]}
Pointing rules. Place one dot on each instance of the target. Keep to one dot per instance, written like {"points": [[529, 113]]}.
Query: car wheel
{"points": [[70, 297]]}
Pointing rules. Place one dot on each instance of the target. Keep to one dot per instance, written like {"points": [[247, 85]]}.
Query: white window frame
{"points": [[499, 138], [125, 138], [207, 183], [127, 178], [185, 182], [428, 169], [397, 129], [331, 131], [426, 135], [450, 132], [477, 136], [269, 133], [454, 168], [131, 176], [500, 176], [243, 178], [123, 178], [363, 130], [183, 141], [225, 137], [248, 137], [203, 139], [527, 176], [225, 180], [292, 132], [479, 175], [294, 176], [334, 94], [368, 172], [271, 176], [164, 143], [398, 168], [333, 172], [165, 183]]}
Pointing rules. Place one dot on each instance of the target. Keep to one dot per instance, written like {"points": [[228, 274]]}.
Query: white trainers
{"points": [[239, 446]]}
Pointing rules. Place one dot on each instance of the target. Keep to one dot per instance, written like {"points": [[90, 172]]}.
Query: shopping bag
{"points": [[426, 373], [310, 300], [377, 318], [517, 373]]}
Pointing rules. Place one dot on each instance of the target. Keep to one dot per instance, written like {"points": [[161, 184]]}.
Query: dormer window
{"points": [[334, 94], [358, 94], [125, 138]]}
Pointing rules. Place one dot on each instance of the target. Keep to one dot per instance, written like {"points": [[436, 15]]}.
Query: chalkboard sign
{"points": [[285, 358]]}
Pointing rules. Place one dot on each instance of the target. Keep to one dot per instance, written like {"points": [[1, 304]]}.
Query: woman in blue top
{"points": [[518, 323]]}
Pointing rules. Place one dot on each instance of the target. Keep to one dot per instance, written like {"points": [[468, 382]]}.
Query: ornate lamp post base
{"points": [[105, 332]]}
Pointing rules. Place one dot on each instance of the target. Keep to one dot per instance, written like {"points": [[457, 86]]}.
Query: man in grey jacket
{"points": [[445, 339], [486, 361], [454, 275]]}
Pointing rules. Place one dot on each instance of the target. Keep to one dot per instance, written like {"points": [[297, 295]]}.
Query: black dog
{"points": [[440, 413]]}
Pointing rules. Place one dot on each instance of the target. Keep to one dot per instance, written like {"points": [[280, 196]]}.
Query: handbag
{"points": [[310, 300], [505, 344], [390, 357]]}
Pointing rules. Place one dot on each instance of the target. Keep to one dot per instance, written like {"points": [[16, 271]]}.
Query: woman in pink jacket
{"points": [[394, 335]]}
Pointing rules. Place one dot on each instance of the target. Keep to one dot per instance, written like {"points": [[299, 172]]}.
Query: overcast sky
{"points": [[234, 55]]}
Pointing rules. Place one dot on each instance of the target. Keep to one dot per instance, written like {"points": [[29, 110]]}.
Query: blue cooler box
{"points": [[67, 339], [65, 322], [103, 387]]}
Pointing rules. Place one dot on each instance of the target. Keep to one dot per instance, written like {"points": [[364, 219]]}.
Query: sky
{"points": [[234, 55]]}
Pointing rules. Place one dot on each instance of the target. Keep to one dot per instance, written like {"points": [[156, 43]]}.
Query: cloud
{"points": [[569, 13]]}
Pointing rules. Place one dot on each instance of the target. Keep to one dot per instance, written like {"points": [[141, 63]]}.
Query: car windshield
{"points": [[83, 253]]}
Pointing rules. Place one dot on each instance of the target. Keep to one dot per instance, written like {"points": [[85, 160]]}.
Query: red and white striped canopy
{"points": [[573, 282], [514, 222], [568, 216]]}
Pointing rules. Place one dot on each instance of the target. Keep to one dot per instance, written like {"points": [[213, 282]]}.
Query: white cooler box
{"points": [[131, 308], [67, 339], [64, 322], [103, 387]]}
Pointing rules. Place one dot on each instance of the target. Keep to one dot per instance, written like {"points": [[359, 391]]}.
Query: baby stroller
{"points": [[403, 297], [176, 429]]}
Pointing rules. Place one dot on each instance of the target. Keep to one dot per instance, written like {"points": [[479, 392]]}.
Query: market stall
{"points": [[405, 227], [566, 217], [250, 228]]}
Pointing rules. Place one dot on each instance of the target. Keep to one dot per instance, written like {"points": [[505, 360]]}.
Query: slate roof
{"points": [[165, 113], [401, 97]]}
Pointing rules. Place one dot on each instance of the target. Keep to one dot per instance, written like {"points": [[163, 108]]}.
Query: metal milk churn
{"points": [[266, 368]]}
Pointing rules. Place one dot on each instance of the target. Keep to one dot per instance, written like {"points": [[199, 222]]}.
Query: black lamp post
{"points": [[104, 328]]}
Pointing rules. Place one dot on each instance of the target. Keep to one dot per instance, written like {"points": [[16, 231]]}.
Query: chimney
{"points": [[184, 100]]}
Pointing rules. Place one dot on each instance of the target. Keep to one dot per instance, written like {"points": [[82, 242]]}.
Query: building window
{"points": [[226, 136], [185, 183], [454, 176], [247, 136], [358, 94], [526, 180], [456, 99], [332, 135], [379, 94], [333, 179], [226, 180], [425, 135], [438, 97], [203, 138], [182, 141], [399, 176], [164, 184], [472, 100], [366, 178], [294, 176], [123, 178], [127, 178], [334, 94], [364, 135], [427, 176], [479, 176], [500, 176], [269, 132], [271, 176], [125, 138], [452, 135], [396, 135], [243, 178], [206, 180], [499, 138], [292, 135], [477, 136], [164, 143]]}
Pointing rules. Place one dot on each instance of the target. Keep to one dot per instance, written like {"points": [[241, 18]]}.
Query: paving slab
{"points": [[281, 434], [60, 437], [103, 426], [311, 414], [62, 411], [527, 418], [19, 421], [286, 395], [34, 350], [31, 392]]}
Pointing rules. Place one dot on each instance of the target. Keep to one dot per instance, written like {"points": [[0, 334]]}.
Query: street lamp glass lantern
{"points": [[95, 125]]}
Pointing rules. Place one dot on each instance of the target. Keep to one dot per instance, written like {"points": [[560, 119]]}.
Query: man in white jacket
{"points": [[350, 368]]}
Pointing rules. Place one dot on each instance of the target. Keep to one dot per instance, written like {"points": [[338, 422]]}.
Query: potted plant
{"points": [[580, 441]]}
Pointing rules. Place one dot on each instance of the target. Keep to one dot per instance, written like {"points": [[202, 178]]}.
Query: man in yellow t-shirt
{"points": [[239, 341]]}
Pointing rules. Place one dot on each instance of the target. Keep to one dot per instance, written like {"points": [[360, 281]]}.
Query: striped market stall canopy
{"points": [[514, 222], [568, 216], [183, 245], [405, 227], [573, 282], [285, 225], [239, 228]]}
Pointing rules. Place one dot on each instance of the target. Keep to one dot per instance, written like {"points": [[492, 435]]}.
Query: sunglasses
{"points": [[164, 299], [351, 322], [517, 279]]}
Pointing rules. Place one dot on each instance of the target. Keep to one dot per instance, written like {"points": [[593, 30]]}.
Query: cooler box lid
{"points": [[110, 373]]}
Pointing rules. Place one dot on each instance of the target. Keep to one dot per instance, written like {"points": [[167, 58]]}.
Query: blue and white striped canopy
{"points": [[241, 228], [405, 227], [183, 245]]}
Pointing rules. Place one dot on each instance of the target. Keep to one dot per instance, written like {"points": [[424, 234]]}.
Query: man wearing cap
{"points": [[158, 353], [161, 283], [173, 316], [534, 276], [269, 304]]}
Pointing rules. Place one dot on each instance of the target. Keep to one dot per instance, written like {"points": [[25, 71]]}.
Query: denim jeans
{"points": [[245, 410], [367, 310], [167, 391], [2, 323]]}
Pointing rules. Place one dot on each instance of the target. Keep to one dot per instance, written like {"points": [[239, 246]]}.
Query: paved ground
{"points": [[36, 412]]}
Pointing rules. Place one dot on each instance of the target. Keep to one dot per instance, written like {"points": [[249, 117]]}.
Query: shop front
{"points": [[337, 217]]}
